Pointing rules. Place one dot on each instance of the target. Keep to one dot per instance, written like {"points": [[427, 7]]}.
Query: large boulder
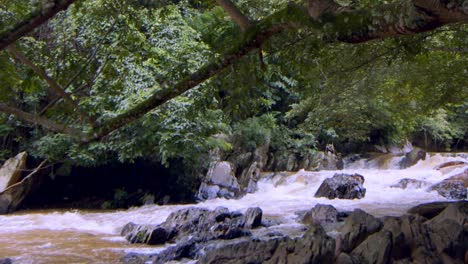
{"points": [[16, 187], [342, 186], [220, 182], [12, 170]]}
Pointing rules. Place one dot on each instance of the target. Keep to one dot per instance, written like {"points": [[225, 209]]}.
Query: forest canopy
{"points": [[98, 80]]}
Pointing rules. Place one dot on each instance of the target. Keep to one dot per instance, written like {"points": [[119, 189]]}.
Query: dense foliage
{"points": [[298, 92]]}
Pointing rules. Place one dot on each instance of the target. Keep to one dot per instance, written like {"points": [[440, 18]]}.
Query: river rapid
{"points": [[76, 236]]}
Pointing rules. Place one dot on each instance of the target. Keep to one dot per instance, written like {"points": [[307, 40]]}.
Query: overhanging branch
{"points": [[36, 19], [42, 121]]}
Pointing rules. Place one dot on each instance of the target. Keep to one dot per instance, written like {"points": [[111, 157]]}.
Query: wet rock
{"points": [[147, 234], [197, 223], [220, 181], [253, 217], [429, 210], [342, 186], [453, 189], [6, 261], [410, 183], [185, 249], [357, 227], [377, 248], [313, 247], [449, 164], [321, 213], [460, 177], [412, 157]]}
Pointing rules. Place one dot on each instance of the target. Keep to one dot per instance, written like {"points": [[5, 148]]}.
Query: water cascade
{"points": [[93, 236]]}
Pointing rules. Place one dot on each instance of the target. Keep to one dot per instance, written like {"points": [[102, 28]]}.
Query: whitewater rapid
{"points": [[93, 236]]}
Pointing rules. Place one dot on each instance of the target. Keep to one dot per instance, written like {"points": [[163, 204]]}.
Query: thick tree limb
{"points": [[332, 21], [53, 84], [235, 13], [36, 19], [389, 20], [344, 25], [44, 122]]}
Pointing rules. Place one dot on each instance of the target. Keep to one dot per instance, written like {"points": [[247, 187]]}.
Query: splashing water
{"points": [[93, 236]]}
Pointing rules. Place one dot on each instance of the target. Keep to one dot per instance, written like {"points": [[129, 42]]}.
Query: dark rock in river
{"points": [[362, 239], [410, 183], [342, 186], [6, 261], [451, 189], [449, 164], [199, 224], [412, 157]]}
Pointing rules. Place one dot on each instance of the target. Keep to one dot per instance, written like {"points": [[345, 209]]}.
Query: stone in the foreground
{"points": [[342, 186], [450, 189]]}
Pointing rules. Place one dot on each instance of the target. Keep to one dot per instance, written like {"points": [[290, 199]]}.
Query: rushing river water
{"points": [[93, 236]]}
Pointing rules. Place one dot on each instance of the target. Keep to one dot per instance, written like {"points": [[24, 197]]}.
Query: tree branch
{"points": [[44, 122], [54, 85], [345, 25], [36, 19], [234, 12]]}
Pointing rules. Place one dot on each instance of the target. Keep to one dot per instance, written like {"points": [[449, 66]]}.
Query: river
{"points": [[77, 236]]}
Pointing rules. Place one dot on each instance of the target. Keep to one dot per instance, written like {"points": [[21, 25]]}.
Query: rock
{"points": [[417, 237], [449, 238], [221, 174], [199, 224], [219, 182], [377, 248], [313, 247], [449, 164], [18, 189], [400, 247], [147, 234], [357, 227], [456, 211], [253, 217], [461, 177], [450, 189], [6, 261], [12, 170], [321, 213], [412, 157], [342, 186], [410, 183], [429, 210], [185, 249], [344, 258]]}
